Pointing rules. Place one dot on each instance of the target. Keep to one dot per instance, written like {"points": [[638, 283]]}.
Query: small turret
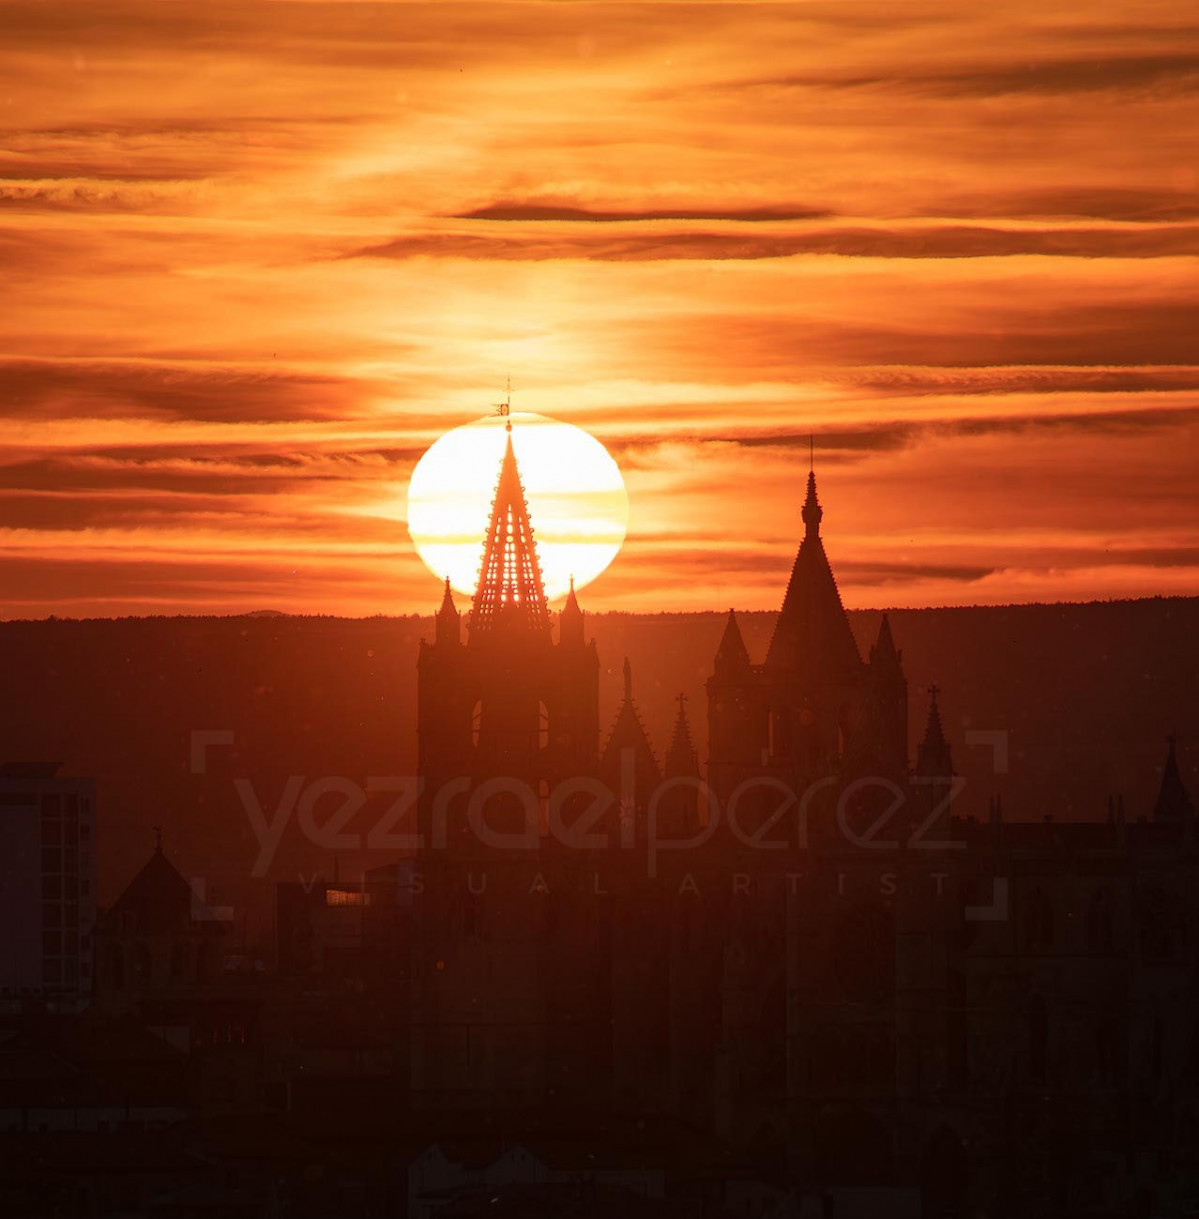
{"points": [[731, 656], [628, 764], [448, 619], [681, 757], [1174, 805], [934, 760], [885, 659], [570, 620]]}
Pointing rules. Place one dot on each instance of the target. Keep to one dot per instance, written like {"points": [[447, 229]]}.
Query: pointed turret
{"points": [[628, 744], [934, 759], [885, 658], [1174, 804], [812, 635], [448, 622], [570, 620], [678, 811], [881, 742], [510, 597], [681, 758], [731, 656]]}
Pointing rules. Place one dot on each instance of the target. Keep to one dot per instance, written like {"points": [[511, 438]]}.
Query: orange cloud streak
{"points": [[257, 258]]}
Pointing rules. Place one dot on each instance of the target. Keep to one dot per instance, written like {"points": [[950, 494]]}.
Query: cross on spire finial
{"points": [[933, 691], [157, 838], [504, 409]]}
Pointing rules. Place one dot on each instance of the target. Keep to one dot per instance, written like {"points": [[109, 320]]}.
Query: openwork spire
{"points": [[510, 596]]}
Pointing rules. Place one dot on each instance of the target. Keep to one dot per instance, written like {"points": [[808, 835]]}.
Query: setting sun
{"points": [[576, 495]]}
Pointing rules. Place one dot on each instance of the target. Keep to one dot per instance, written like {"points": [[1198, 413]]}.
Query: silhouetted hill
{"points": [[1086, 693]]}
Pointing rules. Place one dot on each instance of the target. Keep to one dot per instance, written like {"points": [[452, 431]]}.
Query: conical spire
{"points": [[681, 758], [1173, 800], [510, 595], [812, 636], [629, 733], [934, 759], [448, 621], [731, 654], [885, 658], [570, 620]]}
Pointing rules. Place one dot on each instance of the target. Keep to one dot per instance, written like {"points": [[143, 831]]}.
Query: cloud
{"points": [[525, 211], [880, 241], [44, 388], [1061, 75], [257, 258]]}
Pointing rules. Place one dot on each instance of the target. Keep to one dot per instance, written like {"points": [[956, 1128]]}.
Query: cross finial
{"points": [[681, 699], [811, 452], [934, 690], [157, 838], [504, 409]]}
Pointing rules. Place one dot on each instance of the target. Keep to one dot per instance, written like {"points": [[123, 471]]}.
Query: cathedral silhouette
{"points": [[800, 948]]}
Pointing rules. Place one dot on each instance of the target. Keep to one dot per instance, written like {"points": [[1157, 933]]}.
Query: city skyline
{"points": [[259, 260]]}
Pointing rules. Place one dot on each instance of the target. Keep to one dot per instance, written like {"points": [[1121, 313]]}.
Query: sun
{"points": [[577, 499]]}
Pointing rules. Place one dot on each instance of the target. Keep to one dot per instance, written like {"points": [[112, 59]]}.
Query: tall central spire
{"points": [[812, 635], [510, 595]]}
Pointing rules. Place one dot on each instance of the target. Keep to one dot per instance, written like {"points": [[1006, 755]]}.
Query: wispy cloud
{"points": [[257, 258]]}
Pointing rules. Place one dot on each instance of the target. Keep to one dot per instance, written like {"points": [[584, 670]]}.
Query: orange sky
{"points": [[257, 257]]}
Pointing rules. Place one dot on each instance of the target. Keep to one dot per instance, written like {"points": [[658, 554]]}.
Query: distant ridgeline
{"points": [[1087, 694]]}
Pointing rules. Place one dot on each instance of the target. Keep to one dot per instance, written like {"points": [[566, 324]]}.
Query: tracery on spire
{"points": [[510, 593]]}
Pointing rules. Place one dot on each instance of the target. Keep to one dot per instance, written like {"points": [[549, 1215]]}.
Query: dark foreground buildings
{"points": [[790, 982]]}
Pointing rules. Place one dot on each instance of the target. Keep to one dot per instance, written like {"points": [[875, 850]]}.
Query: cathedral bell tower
{"points": [[508, 701], [504, 713]]}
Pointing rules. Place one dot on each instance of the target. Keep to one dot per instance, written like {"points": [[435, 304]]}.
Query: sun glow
{"points": [[577, 500]]}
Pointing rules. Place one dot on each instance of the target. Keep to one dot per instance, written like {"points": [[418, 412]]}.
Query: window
{"points": [[346, 897]]}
